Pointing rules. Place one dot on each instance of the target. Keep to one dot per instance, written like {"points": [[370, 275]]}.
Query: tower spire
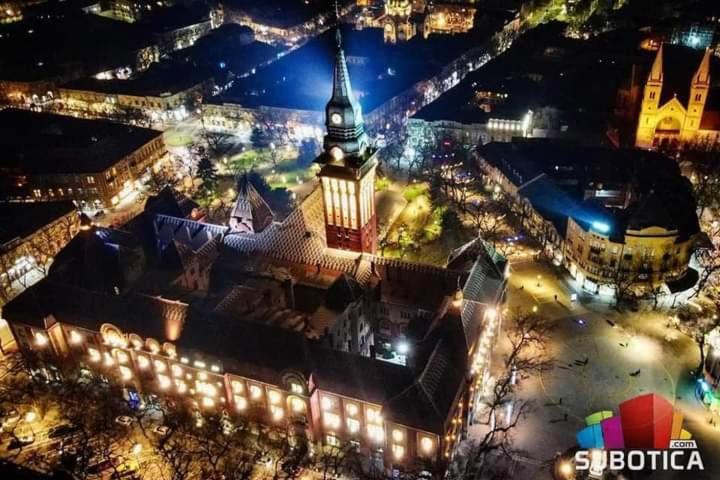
{"points": [[702, 76], [656, 74]]}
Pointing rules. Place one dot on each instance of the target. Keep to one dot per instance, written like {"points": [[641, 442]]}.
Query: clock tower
{"points": [[347, 168]]}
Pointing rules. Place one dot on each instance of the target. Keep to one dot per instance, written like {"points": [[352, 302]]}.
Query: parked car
{"points": [[161, 430], [62, 430], [9, 420], [124, 420]]}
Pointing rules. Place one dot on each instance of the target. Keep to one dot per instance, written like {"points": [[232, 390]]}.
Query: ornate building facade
{"points": [[673, 110]]}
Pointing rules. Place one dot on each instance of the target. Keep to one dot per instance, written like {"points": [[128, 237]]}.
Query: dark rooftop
{"points": [[45, 143], [19, 220], [558, 175], [543, 68], [31, 50]]}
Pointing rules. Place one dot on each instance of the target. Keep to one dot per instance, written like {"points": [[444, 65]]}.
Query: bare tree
{"points": [[696, 320], [528, 336]]}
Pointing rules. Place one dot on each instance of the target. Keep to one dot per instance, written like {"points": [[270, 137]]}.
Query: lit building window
{"points": [[75, 337], [255, 392], [332, 440], [215, 368], [181, 386], [351, 409], [240, 402], [398, 435], [426, 444], [277, 413], [398, 451], [160, 366], [184, 360], [163, 381], [297, 388], [327, 403], [125, 373], [206, 389], [109, 361], [143, 361], [177, 371], [298, 405], [41, 339], [199, 364], [237, 386], [94, 355], [274, 397], [373, 415], [353, 425], [376, 433], [202, 376], [332, 420], [208, 402], [121, 356]]}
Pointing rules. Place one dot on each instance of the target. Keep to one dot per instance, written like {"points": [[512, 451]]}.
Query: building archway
{"points": [[667, 130]]}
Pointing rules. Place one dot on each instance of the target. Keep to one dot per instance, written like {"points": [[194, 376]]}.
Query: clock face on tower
{"points": [[336, 118]]}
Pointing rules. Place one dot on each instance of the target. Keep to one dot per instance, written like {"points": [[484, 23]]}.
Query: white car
{"points": [[124, 420]]}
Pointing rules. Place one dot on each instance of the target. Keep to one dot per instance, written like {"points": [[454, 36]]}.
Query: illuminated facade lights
{"points": [[240, 402], [94, 355], [143, 362], [41, 339], [75, 337], [331, 420], [163, 382]]}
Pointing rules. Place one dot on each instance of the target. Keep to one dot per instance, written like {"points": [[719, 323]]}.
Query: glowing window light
{"points": [[351, 409], [353, 425], [199, 364], [125, 373], [237, 386], [373, 416], [121, 356], [181, 386], [398, 451], [202, 376], [41, 339], [215, 368], [143, 361], [184, 360], [160, 366], [163, 381], [208, 402], [109, 361], [277, 413], [398, 435], [327, 403], [75, 337], [94, 355], [426, 444], [177, 371], [376, 433], [298, 405], [297, 388], [601, 227], [255, 392], [240, 402], [274, 397], [331, 420]]}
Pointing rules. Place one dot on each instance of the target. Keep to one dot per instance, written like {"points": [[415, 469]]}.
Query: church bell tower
{"points": [[347, 168]]}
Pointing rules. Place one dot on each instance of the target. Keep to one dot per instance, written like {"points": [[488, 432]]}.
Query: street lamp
{"points": [[539, 277]]}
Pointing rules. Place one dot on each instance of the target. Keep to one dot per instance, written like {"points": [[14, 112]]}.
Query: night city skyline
{"points": [[359, 239]]}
